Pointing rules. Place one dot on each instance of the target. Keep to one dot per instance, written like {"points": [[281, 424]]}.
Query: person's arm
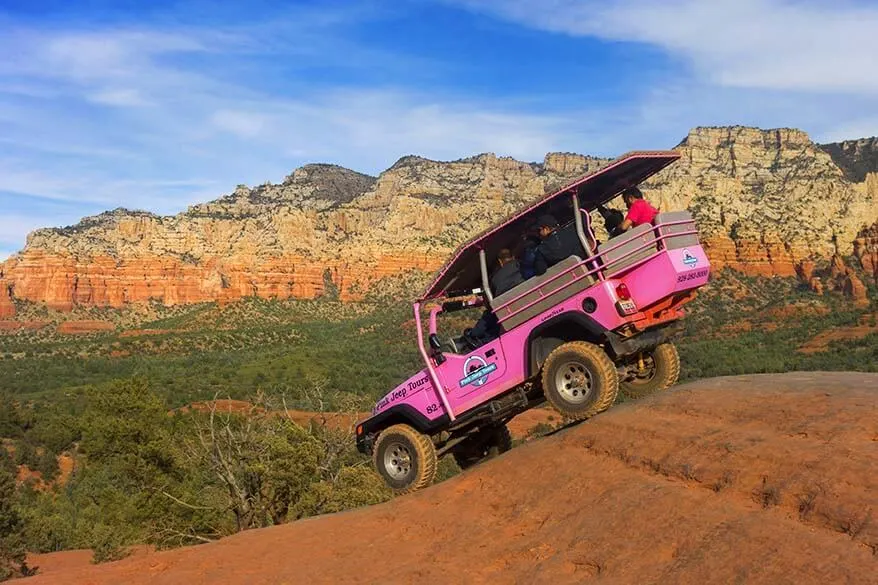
{"points": [[634, 215], [540, 264]]}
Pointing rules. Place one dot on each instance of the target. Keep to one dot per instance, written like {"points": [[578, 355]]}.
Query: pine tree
{"points": [[12, 551]]}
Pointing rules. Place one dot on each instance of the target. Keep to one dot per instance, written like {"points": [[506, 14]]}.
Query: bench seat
{"points": [[539, 287], [677, 242], [632, 239]]}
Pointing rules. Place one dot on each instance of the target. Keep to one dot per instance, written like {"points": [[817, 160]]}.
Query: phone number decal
{"points": [[692, 275]]}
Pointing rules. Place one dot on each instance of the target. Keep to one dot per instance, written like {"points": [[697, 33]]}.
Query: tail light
{"points": [[623, 293]]}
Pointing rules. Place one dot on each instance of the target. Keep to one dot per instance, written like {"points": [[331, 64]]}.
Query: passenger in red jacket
{"points": [[640, 211]]}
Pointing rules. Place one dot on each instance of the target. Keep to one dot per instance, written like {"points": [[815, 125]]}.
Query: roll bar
{"points": [[434, 378], [486, 284], [580, 231]]}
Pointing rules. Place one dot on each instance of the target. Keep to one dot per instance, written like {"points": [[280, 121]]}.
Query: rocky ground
{"points": [[748, 479]]}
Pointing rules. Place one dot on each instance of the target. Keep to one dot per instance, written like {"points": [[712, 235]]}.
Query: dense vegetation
{"points": [[144, 475], [110, 460]]}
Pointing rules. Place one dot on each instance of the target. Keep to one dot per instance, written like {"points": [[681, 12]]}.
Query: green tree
{"points": [[12, 549], [11, 420], [47, 465], [264, 462]]}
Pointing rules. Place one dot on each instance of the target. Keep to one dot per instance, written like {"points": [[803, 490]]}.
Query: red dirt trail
{"points": [[763, 479]]}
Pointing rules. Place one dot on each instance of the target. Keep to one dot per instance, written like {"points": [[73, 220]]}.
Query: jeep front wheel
{"points": [[405, 459], [658, 370], [579, 380]]}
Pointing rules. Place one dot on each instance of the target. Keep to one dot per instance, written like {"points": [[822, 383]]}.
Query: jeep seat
{"points": [[632, 239], [676, 242], [538, 287]]}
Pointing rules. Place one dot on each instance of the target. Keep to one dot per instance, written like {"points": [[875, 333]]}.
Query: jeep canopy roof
{"points": [[462, 272]]}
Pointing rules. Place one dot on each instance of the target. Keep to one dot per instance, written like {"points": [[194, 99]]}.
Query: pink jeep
{"points": [[593, 323]]}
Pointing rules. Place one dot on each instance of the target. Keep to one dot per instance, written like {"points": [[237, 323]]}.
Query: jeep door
{"points": [[475, 377]]}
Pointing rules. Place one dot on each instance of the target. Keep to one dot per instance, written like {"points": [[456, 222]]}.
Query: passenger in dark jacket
{"points": [[505, 278], [556, 245], [613, 219], [508, 275]]}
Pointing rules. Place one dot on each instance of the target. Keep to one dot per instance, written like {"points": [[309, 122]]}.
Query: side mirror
{"points": [[437, 349]]}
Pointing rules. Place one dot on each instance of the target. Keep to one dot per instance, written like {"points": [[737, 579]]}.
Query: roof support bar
{"points": [[577, 216], [486, 284], [434, 378]]}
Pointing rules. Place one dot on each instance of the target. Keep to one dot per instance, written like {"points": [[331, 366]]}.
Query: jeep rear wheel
{"points": [[482, 445], [660, 371], [405, 459], [579, 380]]}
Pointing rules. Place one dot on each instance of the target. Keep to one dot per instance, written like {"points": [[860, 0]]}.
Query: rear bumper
{"points": [[644, 341]]}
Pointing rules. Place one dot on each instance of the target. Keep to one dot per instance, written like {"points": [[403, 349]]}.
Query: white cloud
{"points": [[814, 46], [160, 119], [242, 124], [123, 98], [106, 119]]}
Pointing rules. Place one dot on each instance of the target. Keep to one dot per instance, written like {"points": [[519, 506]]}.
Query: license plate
{"points": [[627, 307]]}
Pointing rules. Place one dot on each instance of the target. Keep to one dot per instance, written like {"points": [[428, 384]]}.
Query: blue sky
{"points": [[159, 105]]}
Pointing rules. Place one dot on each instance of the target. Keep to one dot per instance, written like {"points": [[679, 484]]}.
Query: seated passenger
{"points": [[506, 277], [613, 219], [556, 244], [640, 211]]}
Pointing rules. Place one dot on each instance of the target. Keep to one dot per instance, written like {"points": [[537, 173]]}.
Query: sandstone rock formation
{"points": [[866, 251], [766, 201], [856, 158], [7, 307]]}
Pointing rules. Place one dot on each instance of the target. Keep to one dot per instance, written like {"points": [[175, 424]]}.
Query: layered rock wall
{"points": [[767, 202], [856, 158], [866, 251], [7, 307]]}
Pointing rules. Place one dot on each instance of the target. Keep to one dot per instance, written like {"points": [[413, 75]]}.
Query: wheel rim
{"points": [[398, 460], [574, 382]]}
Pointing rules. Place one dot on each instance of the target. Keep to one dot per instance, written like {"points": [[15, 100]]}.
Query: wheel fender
{"points": [[397, 414], [545, 337]]}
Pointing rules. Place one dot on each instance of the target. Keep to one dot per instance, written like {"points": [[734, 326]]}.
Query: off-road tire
{"points": [[421, 458], [665, 375], [483, 445], [581, 360]]}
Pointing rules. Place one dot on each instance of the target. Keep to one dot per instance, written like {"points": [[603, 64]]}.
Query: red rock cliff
{"points": [[7, 307], [767, 201]]}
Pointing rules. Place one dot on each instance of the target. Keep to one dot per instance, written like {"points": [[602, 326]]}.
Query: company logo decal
{"points": [[476, 371], [689, 259]]}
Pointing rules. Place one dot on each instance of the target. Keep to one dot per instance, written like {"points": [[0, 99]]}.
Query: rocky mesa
{"points": [[768, 202]]}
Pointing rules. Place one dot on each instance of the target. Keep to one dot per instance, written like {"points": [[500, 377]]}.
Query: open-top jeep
{"points": [[597, 321]]}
